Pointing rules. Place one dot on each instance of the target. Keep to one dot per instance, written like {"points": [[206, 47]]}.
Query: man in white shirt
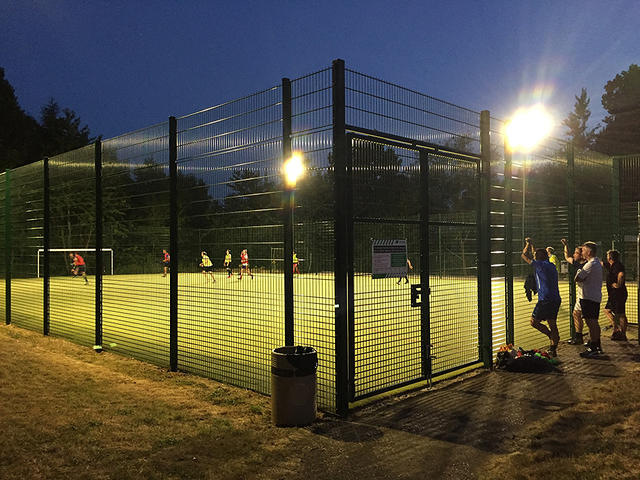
{"points": [[590, 277]]}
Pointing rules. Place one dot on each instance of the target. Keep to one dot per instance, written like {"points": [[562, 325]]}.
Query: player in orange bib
{"points": [[244, 264], [166, 262], [80, 267]]}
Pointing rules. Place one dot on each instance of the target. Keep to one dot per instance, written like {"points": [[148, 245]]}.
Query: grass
{"points": [[67, 412]]}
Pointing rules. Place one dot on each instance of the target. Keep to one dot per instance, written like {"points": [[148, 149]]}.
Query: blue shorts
{"points": [[546, 310]]}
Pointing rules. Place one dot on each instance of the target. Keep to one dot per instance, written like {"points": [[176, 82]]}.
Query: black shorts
{"points": [[166, 264], [546, 310], [617, 301], [81, 268], [208, 269], [590, 309]]}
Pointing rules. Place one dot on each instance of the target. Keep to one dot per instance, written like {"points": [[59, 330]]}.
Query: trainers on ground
{"points": [[590, 353], [553, 351], [576, 340]]}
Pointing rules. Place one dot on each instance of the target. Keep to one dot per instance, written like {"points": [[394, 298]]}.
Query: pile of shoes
{"points": [[525, 361]]}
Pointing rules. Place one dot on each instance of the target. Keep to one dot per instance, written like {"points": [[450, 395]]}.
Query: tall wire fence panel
{"points": [[499, 237], [313, 226], [388, 108], [5, 247], [72, 204], [135, 188], [231, 302], [542, 215], [628, 244], [26, 224]]}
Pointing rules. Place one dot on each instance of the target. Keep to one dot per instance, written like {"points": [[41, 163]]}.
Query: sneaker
{"points": [[590, 353], [619, 337], [576, 340], [553, 351]]}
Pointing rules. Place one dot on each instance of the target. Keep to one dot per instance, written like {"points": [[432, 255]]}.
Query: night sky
{"points": [[124, 65]]}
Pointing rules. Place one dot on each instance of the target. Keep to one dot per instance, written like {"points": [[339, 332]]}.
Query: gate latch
{"points": [[416, 292]]}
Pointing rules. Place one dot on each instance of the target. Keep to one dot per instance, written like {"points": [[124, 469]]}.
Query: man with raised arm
{"points": [[577, 262], [546, 310]]}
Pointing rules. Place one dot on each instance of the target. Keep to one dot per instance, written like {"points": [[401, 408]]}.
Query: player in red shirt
{"points": [[80, 267], [244, 264], [166, 262]]}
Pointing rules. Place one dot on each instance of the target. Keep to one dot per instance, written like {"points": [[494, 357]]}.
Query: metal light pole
{"points": [[292, 170]]}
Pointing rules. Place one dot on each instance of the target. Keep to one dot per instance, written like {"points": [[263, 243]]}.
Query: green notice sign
{"points": [[388, 258]]}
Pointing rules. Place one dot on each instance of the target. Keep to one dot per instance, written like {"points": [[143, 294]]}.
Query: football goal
{"points": [[108, 266]]}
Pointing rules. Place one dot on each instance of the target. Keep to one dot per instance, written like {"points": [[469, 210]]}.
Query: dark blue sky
{"points": [[124, 65]]}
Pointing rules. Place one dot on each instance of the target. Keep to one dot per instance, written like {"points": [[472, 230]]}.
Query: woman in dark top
{"points": [[617, 290]]}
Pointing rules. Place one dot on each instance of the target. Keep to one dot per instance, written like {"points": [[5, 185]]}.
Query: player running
{"points": [[244, 264], [295, 264], [80, 267], [166, 262], [207, 265], [227, 263]]}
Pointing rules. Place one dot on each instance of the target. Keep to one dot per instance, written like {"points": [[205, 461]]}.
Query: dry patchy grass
{"points": [[66, 412]]}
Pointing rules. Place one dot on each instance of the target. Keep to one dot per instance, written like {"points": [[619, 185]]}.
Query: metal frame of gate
{"points": [[419, 293]]}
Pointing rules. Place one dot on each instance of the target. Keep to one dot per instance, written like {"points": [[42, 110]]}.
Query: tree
{"points": [[576, 123], [19, 132], [61, 130], [621, 133]]}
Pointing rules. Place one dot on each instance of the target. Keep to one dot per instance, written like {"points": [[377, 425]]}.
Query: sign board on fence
{"points": [[388, 258]]}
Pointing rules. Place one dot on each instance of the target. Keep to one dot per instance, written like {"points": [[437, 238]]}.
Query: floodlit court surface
{"points": [[227, 329]]}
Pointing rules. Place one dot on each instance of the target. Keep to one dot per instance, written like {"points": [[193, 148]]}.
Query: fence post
{"points": [[8, 251], [618, 238], [508, 244], [173, 244], [425, 298], [341, 240], [287, 211], [571, 229], [484, 266], [46, 312], [99, 258]]}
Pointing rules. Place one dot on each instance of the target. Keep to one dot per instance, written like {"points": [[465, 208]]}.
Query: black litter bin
{"points": [[293, 385]]}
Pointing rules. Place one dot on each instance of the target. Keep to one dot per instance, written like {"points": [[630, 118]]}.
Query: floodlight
{"points": [[527, 127], [293, 169]]}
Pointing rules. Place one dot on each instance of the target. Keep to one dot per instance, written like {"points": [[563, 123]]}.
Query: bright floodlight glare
{"points": [[293, 168], [528, 127]]}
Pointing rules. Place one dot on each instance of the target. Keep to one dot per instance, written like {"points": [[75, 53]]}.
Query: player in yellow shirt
{"points": [[227, 263], [552, 258], [295, 264], [207, 265]]}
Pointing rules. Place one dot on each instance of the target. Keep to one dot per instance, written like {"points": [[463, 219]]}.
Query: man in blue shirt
{"points": [[546, 310]]}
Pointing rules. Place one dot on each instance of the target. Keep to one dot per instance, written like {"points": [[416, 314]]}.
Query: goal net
{"points": [[59, 260]]}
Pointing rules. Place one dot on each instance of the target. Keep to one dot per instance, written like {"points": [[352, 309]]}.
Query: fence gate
{"points": [[403, 330]]}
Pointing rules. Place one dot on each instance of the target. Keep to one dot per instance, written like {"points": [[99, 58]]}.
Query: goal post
{"points": [[71, 250]]}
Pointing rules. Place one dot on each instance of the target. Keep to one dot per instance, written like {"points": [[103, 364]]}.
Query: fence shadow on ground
{"points": [[488, 410]]}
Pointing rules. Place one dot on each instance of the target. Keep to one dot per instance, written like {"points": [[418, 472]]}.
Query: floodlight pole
{"points": [[288, 206]]}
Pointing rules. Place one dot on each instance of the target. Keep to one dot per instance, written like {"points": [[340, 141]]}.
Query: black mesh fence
{"points": [[313, 226], [72, 263], [135, 188], [228, 308], [229, 190]]}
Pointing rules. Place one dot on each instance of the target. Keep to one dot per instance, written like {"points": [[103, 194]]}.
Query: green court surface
{"points": [[227, 329]]}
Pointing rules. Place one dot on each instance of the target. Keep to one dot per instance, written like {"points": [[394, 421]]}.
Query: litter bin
{"points": [[293, 385]]}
